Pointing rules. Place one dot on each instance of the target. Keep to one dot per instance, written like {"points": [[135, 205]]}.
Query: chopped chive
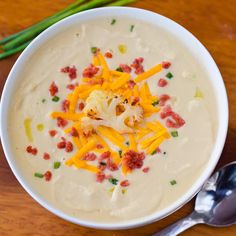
{"points": [[127, 143], [155, 103], [131, 28], [174, 134], [119, 69], [55, 99], [103, 163], [56, 164], [154, 152], [93, 50], [38, 175], [113, 21], [113, 181], [120, 152], [43, 100], [173, 182], [169, 75]]}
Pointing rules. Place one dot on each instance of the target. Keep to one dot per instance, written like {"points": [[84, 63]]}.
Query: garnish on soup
{"points": [[109, 108]]}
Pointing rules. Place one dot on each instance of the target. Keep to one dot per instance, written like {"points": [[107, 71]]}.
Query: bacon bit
{"points": [[162, 82], [52, 133], [158, 150], [89, 157], [90, 71], [109, 177], [100, 176], [133, 159], [102, 167], [131, 84], [125, 68], [65, 105], [108, 55], [166, 64], [81, 106], [177, 123], [65, 69], [111, 165], [135, 101], [72, 71], [53, 89], [48, 175], [63, 139], [167, 111], [29, 149], [32, 150], [163, 98], [71, 86], [146, 169], [137, 65], [124, 183], [74, 132], [139, 70], [46, 156], [99, 146], [104, 155], [61, 122], [69, 147], [61, 145]]}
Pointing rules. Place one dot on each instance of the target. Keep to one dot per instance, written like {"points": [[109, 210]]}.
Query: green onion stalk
{"points": [[7, 39], [18, 41]]}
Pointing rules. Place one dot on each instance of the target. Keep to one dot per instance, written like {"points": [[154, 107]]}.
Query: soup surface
{"points": [[112, 120]]}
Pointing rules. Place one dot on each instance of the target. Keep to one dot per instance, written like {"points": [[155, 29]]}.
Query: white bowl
{"points": [[197, 49]]}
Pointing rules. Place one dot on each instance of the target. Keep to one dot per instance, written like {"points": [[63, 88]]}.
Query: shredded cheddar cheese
{"points": [[110, 117], [109, 135], [133, 144], [83, 165], [154, 145], [77, 142], [135, 91], [67, 116], [85, 149], [122, 80], [86, 93], [147, 142], [105, 72], [95, 61], [73, 99], [148, 73]]}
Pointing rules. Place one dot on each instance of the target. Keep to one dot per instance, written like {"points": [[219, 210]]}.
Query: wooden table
{"points": [[212, 22]]}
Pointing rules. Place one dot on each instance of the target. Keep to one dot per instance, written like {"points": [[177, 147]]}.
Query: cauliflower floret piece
{"points": [[110, 110]]}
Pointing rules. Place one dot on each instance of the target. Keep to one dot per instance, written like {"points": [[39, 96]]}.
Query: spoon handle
{"points": [[181, 225]]}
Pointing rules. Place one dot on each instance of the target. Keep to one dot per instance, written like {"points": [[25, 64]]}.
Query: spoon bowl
{"points": [[215, 203], [216, 200]]}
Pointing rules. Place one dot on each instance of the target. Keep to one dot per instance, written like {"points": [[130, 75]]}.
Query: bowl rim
{"points": [[146, 16]]}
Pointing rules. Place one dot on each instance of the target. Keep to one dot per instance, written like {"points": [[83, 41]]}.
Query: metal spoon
{"points": [[215, 204]]}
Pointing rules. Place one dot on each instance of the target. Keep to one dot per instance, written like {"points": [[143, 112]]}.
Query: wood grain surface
{"points": [[213, 22]]}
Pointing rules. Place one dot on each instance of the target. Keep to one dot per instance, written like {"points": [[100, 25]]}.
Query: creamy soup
{"points": [[112, 120]]}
